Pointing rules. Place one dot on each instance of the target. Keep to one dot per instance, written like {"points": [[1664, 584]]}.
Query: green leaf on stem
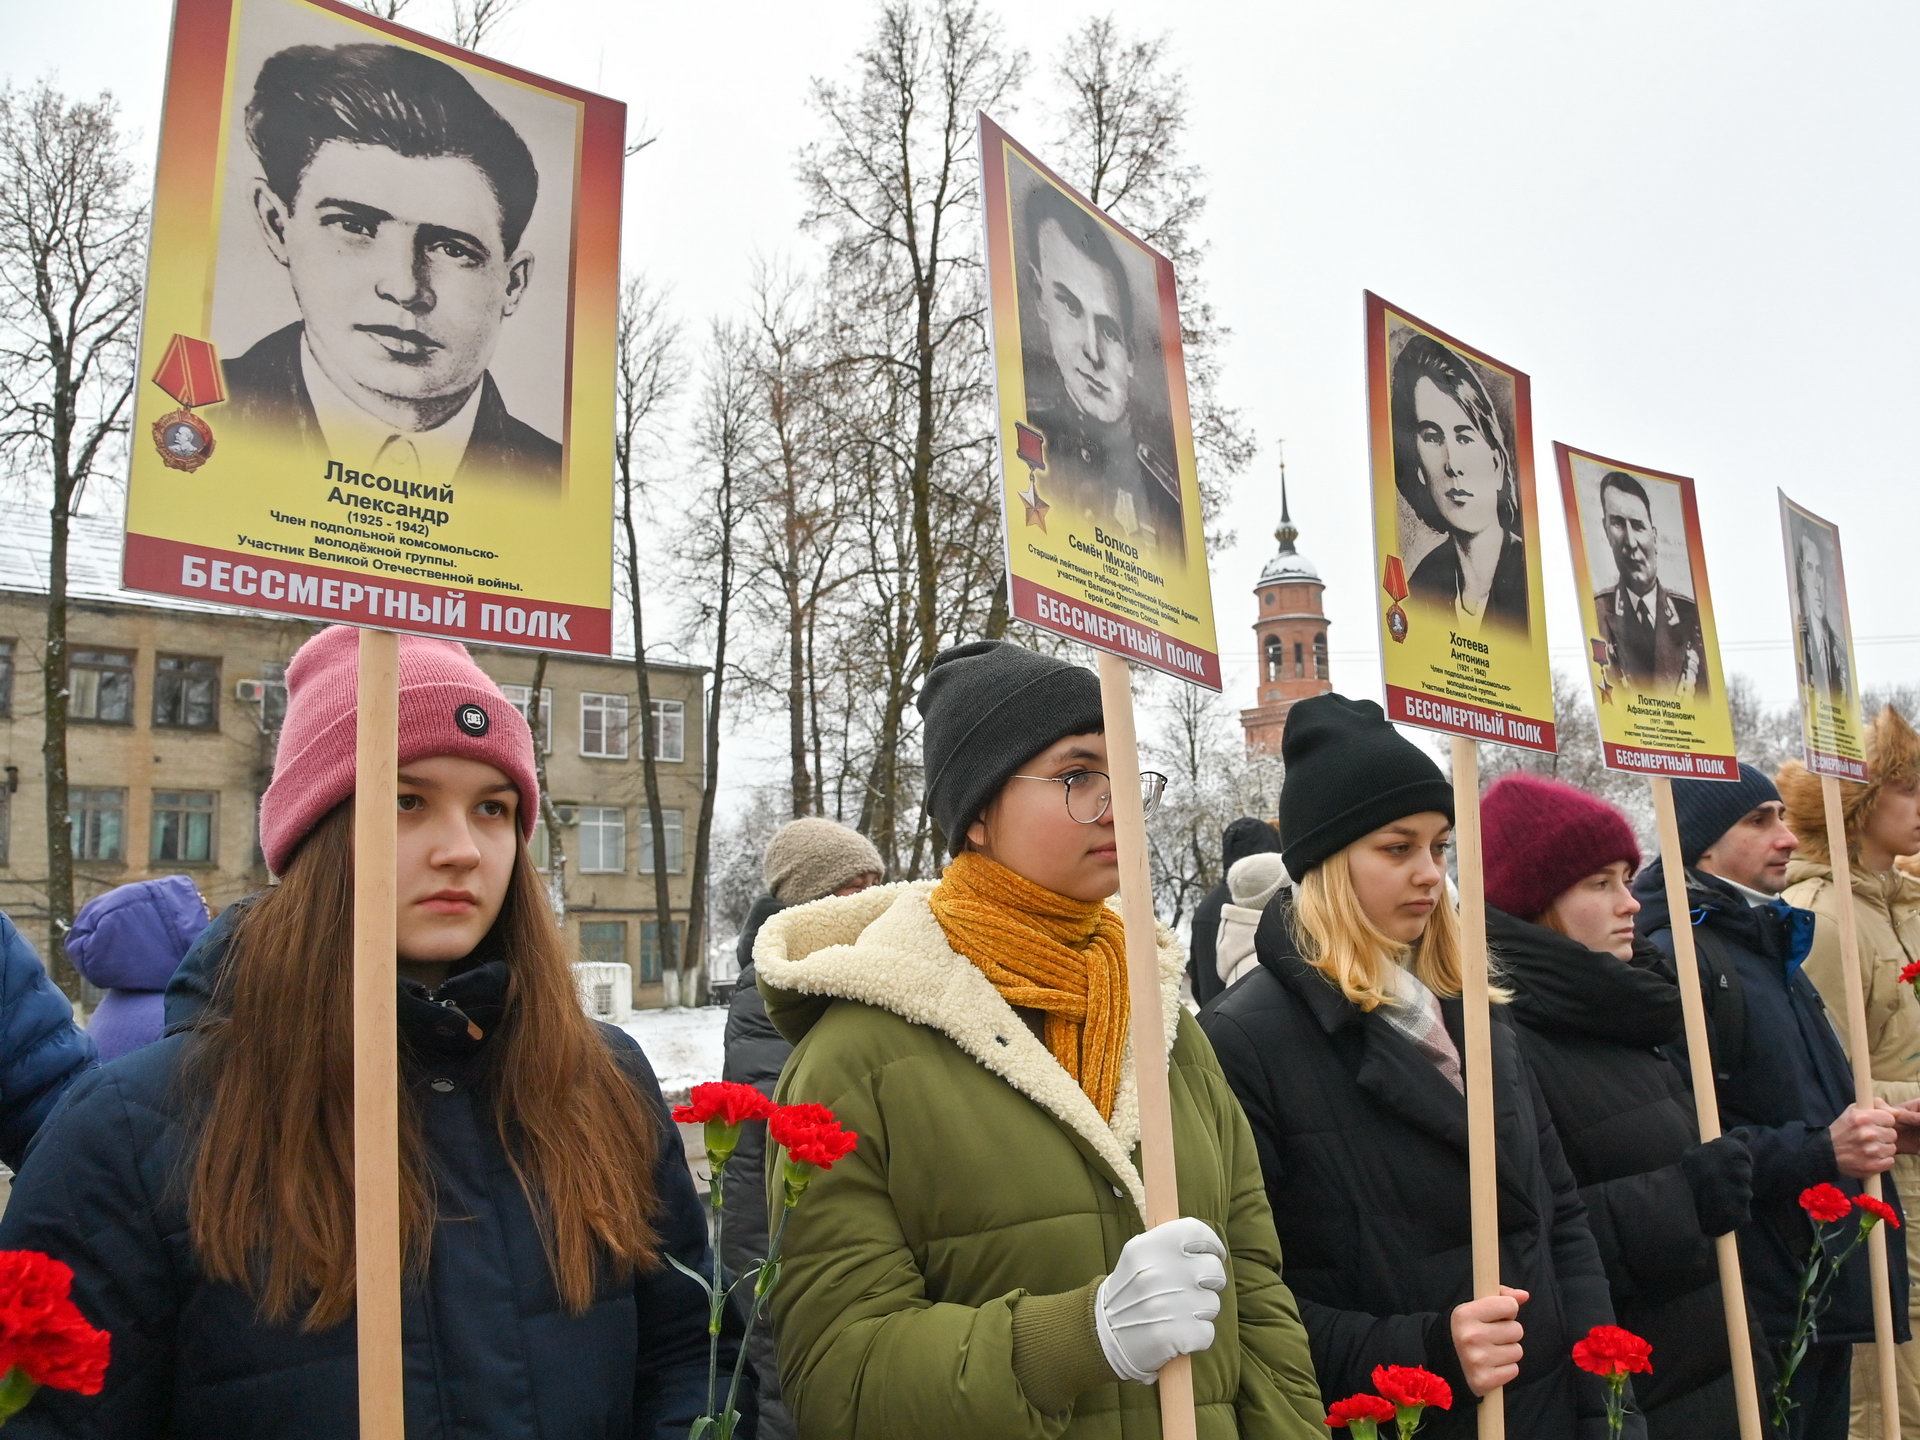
{"points": [[15, 1391]]}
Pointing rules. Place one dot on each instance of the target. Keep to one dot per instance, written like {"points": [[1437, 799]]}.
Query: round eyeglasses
{"points": [[1090, 791]]}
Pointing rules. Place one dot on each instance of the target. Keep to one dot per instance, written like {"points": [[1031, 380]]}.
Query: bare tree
{"points": [[385, 9], [1122, 134], [556, 835], [70, 239], [647, 373], [475, 20]]}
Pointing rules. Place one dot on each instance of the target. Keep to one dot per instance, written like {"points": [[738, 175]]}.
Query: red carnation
{"points": [[1826, 1203], [724, 1101], [1879, 1209], [1609, 1350], [42, 1333], [811, 1135], [1358, 1407], [1408, 1386], [1910, 974]]}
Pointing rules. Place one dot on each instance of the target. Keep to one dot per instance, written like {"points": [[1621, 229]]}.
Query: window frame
{"points": [[653, 961], [619, 925], [74, 662], [605, 703], [546, 710], [674, 822], [80, 795], [9, 667], [211, 811], [660, 712], [212, 727], [599, 823]]}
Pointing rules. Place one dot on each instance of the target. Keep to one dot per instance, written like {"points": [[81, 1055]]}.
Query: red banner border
{"points": [[1030, 600], [1398, 711], [1610, 753]]}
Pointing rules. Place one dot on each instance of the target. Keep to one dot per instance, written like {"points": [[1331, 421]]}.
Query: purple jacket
{"points": [[129, 942]]}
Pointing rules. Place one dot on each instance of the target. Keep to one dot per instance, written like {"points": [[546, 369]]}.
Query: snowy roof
{"points": [[93, 560], [1288, 566]]}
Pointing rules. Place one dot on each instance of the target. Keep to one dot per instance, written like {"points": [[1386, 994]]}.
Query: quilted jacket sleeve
{"points": [[41, 1050]]}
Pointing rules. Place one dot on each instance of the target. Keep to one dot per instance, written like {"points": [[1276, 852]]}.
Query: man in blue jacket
{"points": [[41, 1050], [1782, 1077]]}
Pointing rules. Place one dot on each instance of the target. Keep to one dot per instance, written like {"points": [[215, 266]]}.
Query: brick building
{"points": [[1290, 637], [175, 710]]}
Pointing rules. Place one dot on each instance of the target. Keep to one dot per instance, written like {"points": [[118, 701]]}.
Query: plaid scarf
{"points": [[1415, 1013]]}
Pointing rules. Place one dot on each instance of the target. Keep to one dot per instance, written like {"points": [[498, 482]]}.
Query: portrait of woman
{"points": [[1454, 466]]}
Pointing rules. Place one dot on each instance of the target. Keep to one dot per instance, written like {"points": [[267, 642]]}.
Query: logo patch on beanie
{"points": [[472, 719]]}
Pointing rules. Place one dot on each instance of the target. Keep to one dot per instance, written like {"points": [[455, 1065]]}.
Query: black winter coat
{"points": [[1364, 1147], [1783, 1079], [1590, 1026], [490, 1353]]}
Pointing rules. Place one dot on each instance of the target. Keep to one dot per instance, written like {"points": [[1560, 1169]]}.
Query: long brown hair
{"points": [[270, 1198]]}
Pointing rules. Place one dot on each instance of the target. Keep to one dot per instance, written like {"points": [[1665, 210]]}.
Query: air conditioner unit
{"points": [[567, 814], [253, 691]]}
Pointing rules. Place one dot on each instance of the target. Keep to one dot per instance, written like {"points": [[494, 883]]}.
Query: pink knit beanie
{"points": [[448, 706], [1539, 837]]}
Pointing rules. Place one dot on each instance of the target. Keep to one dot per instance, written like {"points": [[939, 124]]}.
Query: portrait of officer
{"points": [[1653, 635], [1823, 650], [1109, 448], [396, 199]]}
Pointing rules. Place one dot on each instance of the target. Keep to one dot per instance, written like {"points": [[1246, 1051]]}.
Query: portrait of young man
{"points": [[1823, 650], [396, 200], [1653, 635], [1090, 389]]}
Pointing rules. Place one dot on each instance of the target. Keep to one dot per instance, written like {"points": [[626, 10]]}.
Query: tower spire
{"points": [[1287, 533]]}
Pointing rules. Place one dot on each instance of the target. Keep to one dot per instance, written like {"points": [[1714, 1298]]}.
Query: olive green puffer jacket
{"points": [[940, 1280]]}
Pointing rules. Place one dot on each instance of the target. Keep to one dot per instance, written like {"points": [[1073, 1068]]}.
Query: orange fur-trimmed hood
{"points": [[1893, 757]]}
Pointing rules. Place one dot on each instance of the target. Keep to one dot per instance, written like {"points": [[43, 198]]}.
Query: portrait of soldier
{"points": [[1109, 450], [1653, 636], [1823, 650], [396, 199]]}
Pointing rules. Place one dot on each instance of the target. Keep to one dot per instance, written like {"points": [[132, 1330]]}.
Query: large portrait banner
{"points": [[1646, 618], [1463, 633], [1832, 727], [376, 355], [1098, 482]]}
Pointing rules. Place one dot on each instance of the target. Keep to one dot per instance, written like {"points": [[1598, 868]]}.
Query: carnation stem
{"points": [[762, 1287], [716, 1301]]}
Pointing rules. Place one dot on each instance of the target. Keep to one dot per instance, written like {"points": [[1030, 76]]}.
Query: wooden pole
{"points": [[1143, 992], [1706, 1106], [1860, 1050], [376, 1046], [1476, 1027]]}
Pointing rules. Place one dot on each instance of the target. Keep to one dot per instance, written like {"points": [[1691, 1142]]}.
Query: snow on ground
{"points": [[685, 1046]]}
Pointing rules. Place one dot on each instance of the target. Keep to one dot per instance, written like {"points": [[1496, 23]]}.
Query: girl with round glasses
{"points": [[982, 1261]]}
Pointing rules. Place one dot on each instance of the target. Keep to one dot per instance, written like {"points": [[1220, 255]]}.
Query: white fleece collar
{"points": [[883, 947]]}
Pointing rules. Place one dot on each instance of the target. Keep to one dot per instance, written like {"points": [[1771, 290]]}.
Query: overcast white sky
{"points": [[1693, 225]]}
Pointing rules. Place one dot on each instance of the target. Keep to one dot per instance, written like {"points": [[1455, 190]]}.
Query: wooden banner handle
{"points": [[1706, 1104], [1476, 1031], [1143, 992], [376, 1045], [1860, 1051]]}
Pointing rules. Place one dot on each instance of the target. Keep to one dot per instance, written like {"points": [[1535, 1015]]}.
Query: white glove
{"points": [[1161, 1298]]}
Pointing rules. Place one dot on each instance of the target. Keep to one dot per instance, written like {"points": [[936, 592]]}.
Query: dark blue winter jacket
{"points": [[490, 1352], [1782, 1078], [41, 1050]]}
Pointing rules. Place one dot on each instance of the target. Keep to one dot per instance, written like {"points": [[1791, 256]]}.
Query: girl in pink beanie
{"points": [[202, 1188]]}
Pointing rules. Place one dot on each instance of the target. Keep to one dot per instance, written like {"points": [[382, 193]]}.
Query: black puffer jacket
{"points": [[1364, 1148], [1589, 1026], [1783, 1079], [491, 1354]]}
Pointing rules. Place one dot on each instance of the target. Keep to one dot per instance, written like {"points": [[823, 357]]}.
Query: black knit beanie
{"points": [[1348, 772], [989, 707], [1706, 809]]}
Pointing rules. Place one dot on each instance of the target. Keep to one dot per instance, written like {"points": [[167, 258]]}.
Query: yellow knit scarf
{"points": [[1042, 951]]}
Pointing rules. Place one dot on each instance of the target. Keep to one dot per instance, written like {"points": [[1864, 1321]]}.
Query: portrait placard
{"points": [[1098, 485], [1832, 728], [1647, 630], [376, 354], [1456, 533]]}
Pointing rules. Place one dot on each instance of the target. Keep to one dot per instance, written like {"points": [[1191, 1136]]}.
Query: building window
{"points": [[183, 826], [1299, 661], [100, 686], [6, 678], [603, 839], [603, 942], [669, 730], [186, 693], [603, 726], [1275, 652], [674, 823], [538, 849], [6, 821], [651, 961], [98, 822], [519, 696], [1320, 656]]}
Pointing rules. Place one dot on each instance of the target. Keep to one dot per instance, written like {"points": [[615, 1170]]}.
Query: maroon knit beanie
{"points": [[1539, 837], [448, 706]]}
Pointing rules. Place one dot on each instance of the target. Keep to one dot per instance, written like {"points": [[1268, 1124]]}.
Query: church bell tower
{"points": [[1290, 636]]}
